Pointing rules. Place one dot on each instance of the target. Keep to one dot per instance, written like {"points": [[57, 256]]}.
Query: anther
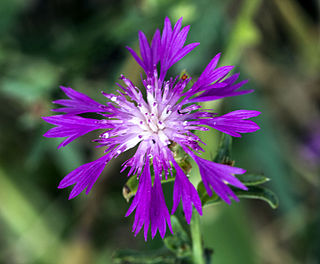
{"points": [[181, 113]]}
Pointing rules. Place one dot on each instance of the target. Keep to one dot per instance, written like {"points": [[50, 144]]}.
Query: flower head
{"points": [[168, 113]]}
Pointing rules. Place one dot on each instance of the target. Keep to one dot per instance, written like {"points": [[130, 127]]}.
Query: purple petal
{"points": [[218, 176], [185, 191], [243, 114], [178, 40], [72, 127], [155, 47], [142, 202], [172, 43], [210, 76], [78, 103], [136, 57], [233, 123], [215, 95], [168, 48], [211, 66], [210, 93], [145, 51], [166, 33], [159, 214], [181, 53], [84, 176]]}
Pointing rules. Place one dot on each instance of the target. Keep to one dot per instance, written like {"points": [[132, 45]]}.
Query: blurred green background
{"points": [[81, 44]]}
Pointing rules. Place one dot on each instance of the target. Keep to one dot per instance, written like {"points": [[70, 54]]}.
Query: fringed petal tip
{"points": [[83, 177], [72, 195], [233, 123], [64, 88], [254, 113], [218, 177], [150, 207], [62, 185], [185, 191], [77, 103], [245, 188], [168, 48], [47, 119]]}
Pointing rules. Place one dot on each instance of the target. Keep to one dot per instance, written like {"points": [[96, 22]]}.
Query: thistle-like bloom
{"points": [[167, 114]]}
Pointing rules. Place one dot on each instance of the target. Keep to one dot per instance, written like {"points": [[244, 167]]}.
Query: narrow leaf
{"points": [[204, 197], [179, 243], [162, 256], [260, 193], [254, 192], [130, 188], [252, 179], [224, 150]]}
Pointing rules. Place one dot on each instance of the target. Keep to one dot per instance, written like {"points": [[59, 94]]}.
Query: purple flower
{"points": [[168, 113]]}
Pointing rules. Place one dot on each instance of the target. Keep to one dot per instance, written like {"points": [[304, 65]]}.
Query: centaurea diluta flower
{"points": [[169, 113]]}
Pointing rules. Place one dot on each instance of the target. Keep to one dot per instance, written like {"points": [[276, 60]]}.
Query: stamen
{"points": [[184, 77]]}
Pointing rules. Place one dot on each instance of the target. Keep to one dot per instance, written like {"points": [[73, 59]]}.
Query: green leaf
{"points": [[253, 192], [179, 243], [162, 256], [261, 193], [130, 188], [252, 179], [181, 158], [204, 197], [224, 150], [178, 250]]}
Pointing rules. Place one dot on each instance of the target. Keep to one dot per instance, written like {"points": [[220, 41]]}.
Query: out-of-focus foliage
{"points": [[44, 44]]}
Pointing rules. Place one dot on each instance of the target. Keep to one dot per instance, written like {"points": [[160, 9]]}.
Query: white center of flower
{"points": [[152, 122]]}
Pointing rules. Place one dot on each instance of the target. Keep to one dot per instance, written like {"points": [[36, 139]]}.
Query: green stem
{"points": [[197, 249]]}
